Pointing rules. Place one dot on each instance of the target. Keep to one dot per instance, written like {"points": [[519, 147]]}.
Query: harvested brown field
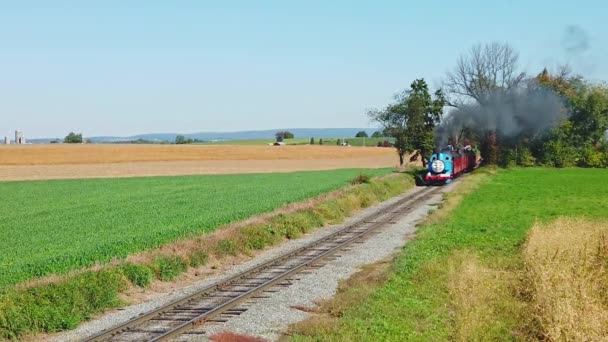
{"points": [[97, 161], [93, 154]]}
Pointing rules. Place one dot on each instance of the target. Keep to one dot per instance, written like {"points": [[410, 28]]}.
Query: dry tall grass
{"points": [[567, 266], [482, 298]]}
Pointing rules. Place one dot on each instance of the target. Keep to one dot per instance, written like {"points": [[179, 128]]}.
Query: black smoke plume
{"points": [[575, 40], [527, 111]]}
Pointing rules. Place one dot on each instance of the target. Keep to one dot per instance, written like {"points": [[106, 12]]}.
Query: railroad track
{"points": [[219, 301]]}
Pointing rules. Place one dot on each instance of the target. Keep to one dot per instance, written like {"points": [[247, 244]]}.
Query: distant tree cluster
{"points": [[73, 138], [361, 134], [282, 135], [181, 140]]}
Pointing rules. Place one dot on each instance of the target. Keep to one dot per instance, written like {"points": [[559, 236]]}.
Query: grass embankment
{"points": [[63, 304], [471, 275], [51, 227]]}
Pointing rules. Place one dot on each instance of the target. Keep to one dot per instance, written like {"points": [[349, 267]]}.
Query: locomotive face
{"points": [[439, 168], [440, 163]]}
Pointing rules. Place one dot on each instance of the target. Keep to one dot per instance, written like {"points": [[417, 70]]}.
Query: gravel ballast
{"points": [[269, 317]]}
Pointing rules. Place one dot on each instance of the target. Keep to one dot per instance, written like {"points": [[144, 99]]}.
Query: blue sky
{"points": [[129, 67]]}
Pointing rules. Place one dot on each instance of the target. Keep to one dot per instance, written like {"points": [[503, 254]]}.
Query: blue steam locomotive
{"points": [[449, 163]]}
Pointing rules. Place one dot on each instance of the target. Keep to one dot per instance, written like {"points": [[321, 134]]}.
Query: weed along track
{"points": [[230, 297]]}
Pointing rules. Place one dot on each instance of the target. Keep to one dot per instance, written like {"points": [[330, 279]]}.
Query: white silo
{"points": [[19, 138]]}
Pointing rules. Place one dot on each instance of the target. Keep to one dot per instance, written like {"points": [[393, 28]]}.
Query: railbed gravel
{"points": [[269, 317]]}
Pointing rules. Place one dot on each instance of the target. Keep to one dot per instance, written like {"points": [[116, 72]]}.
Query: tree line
{"points": [[554, 118]]}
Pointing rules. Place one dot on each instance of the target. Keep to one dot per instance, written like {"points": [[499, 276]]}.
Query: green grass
{"points": [[491, 223], [61, 306], [167, 268], [139, 275], [52, 227]]}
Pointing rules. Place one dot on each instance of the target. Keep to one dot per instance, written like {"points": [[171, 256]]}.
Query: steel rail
{"points": [[391, 210]]}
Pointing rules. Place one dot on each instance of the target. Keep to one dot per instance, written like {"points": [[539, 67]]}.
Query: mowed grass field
{"points": [[53, 154], [369, 142], [254, 142], [55, 226], [467, 275], [358, 142]]}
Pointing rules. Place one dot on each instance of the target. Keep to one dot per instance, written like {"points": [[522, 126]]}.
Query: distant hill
{"points": [[241, 135]]}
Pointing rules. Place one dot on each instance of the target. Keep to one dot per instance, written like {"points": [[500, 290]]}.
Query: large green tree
{"points": [[581, 139], [411, 120], [590, 115]]}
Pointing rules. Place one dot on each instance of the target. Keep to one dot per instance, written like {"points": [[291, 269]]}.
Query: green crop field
{"points": [[51, 227]]}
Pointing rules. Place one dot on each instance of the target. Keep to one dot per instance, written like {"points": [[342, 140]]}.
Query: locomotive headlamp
{"points": [[437, 166]]}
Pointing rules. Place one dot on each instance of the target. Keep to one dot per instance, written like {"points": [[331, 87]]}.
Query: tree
{"points": [[180, 140], [320, 141], [562, 82], [312, 141], [282, 135], [411, 120], [590, 116], [581, 138], [339, 142], [377, 134], [485, 70], [73, 138], [361, 134]]}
